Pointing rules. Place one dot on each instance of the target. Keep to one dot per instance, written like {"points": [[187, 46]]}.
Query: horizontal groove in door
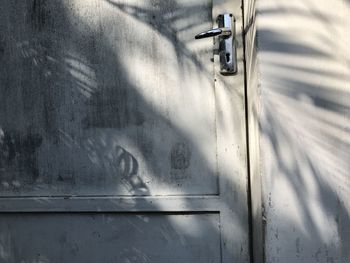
{"points": [[113, 204]]}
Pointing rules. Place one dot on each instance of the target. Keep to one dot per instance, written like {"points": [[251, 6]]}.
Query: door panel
{"points": [[107, 94], [113, 118], [91, 238]]}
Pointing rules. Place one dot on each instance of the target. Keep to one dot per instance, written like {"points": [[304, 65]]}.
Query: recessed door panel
{"points": [[105, 238], [107, 98]]}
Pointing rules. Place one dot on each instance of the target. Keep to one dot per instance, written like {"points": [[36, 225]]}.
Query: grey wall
{"points": [[298, 75]]}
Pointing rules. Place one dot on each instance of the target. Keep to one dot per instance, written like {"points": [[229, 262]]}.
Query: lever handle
{"points": [[214, 32], [227, 43]]}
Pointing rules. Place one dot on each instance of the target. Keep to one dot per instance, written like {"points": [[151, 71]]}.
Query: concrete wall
{"points": [[298, 79]]}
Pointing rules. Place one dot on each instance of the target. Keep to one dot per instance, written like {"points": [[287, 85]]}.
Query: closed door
{"points": [[120, 140]]}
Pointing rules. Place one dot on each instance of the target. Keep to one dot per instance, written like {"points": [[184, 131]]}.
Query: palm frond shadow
{"points": [[304, 126]]}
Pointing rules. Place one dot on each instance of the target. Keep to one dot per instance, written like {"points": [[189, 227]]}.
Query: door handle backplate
{"points": [[227, 43]]}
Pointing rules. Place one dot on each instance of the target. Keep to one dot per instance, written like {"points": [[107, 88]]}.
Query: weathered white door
{"points": [[120, 140]]}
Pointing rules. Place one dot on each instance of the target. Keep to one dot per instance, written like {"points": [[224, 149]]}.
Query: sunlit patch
{"points": [[83, 75], [2, 135], [144, 218]]}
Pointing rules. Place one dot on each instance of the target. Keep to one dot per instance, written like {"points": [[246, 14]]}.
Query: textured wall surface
{"points": [[300, 108]]}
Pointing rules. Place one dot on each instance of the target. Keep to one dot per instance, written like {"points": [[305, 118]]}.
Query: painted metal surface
{"points": [[105, 93], [92, 238], [113, 119]]}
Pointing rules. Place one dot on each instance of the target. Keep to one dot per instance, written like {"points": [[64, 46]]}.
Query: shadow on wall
{"points": [[73, 121], [305, 124]]}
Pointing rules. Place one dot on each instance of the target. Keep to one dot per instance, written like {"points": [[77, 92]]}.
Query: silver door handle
{"points": [[227, 44], [214, 32]]}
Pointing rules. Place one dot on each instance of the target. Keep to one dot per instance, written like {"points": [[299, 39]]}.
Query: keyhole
{"points": [[227, 57]]}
